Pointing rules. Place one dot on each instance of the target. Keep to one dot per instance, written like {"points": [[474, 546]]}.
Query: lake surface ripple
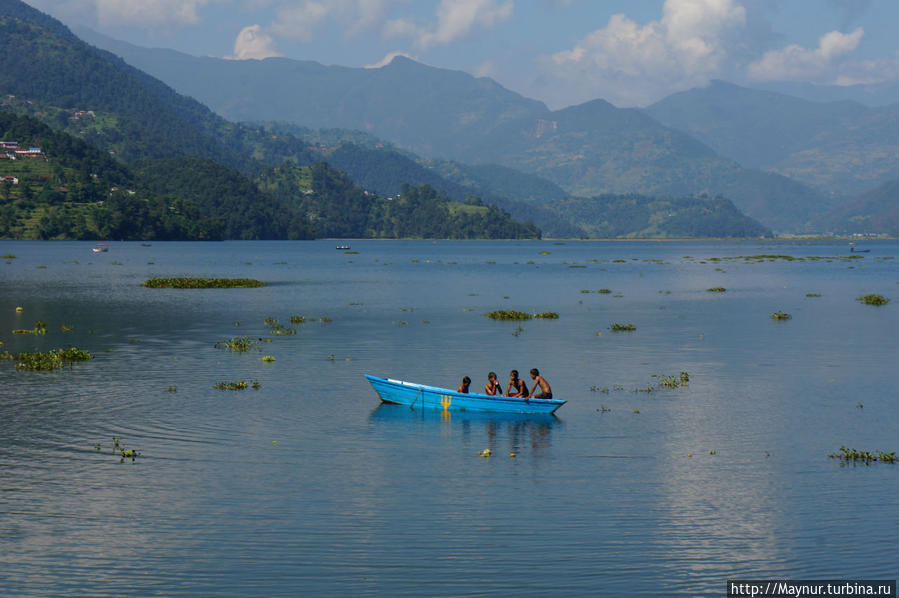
{"points": [[307, 486]]}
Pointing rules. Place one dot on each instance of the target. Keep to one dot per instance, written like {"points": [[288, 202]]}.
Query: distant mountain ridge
{"points": [[587, 150], [840, 147], [176, 149]]}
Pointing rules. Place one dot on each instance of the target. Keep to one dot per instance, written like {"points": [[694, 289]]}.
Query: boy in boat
{"points": [[517, 387], [492, 387], [466, 381], [545, 391]]}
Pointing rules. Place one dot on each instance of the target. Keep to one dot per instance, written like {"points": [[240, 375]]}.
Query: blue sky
{"points": [[563, 52]]}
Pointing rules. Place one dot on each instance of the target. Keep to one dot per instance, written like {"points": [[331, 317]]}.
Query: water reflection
{"points": [[502, 433]]}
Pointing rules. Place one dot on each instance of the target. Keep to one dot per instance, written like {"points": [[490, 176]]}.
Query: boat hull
{"points": [[432, 397]]}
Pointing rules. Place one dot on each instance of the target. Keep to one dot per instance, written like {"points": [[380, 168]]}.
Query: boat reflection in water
{"points": [[504, 433]]}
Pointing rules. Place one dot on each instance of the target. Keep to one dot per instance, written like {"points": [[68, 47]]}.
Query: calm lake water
{"points": [[306, 486]]}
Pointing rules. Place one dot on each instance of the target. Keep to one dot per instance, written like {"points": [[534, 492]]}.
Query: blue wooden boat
{"points": [[433, 397]]}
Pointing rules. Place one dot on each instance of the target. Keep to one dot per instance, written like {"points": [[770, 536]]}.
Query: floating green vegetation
{"points": [[66, 328], [813, 294], [239, 385], [202, 283], [297, 319], [853, 456], [604, 291], [8, 256], [279, 263], [780, 315], [544, 253], [616, 327], [716, 290], [787, 258], [276, 328], [49, 360], [547, 315], [682, 379], [238, 344], [39, 328], [172, 389], [585, 291], [325, 320], [619, 261], [873, 299], [267, 359], [577, 266], [508, 314], [42, 267]]}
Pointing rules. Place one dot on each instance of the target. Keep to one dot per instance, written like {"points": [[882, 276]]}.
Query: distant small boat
{"points": [[100, 248], [433, 397], [344, 247], [852, 249]]}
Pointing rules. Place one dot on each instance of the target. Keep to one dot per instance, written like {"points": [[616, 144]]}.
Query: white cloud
{"points": [[455, 20], [253, 43], [629, 63], [147, 13], [303, 21], [387, 60], [485, 69], [797, 63]]}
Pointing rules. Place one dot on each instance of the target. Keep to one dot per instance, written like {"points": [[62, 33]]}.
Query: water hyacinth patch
{"points": [[853, 455], [873, 299], [622, 327], [508, 314], [780, 315], [202, 283], [238, 344], [49, 360]]}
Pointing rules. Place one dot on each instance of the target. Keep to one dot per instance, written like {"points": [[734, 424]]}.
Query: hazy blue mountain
{"points": [[431, 111], [869, 94], [876, 211], [177, 150], [437, 113], [838, 147]]}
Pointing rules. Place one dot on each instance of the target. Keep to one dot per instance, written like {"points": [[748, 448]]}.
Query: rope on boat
{"points": [[412, 406]]}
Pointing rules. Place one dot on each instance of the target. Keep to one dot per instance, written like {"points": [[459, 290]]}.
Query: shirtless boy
{"points": [[517, 387], [545, 391], [492, 387], [466, 381]]}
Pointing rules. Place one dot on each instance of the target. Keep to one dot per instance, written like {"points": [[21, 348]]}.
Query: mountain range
{"points": [[469, 140], [587, 150], [839, 147]]}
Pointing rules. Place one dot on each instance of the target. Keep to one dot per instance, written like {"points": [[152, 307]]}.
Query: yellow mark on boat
{"points": [[446, 401]]}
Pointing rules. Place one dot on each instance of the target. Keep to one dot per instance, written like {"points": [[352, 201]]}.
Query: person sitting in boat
{"points": [[492, 387], [517, 387], [545, 391], [466, 381]]}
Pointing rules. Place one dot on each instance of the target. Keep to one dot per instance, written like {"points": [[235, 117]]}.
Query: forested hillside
{"points": [[336, 207], [72, 190], [638, 216], [156, 164]]}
